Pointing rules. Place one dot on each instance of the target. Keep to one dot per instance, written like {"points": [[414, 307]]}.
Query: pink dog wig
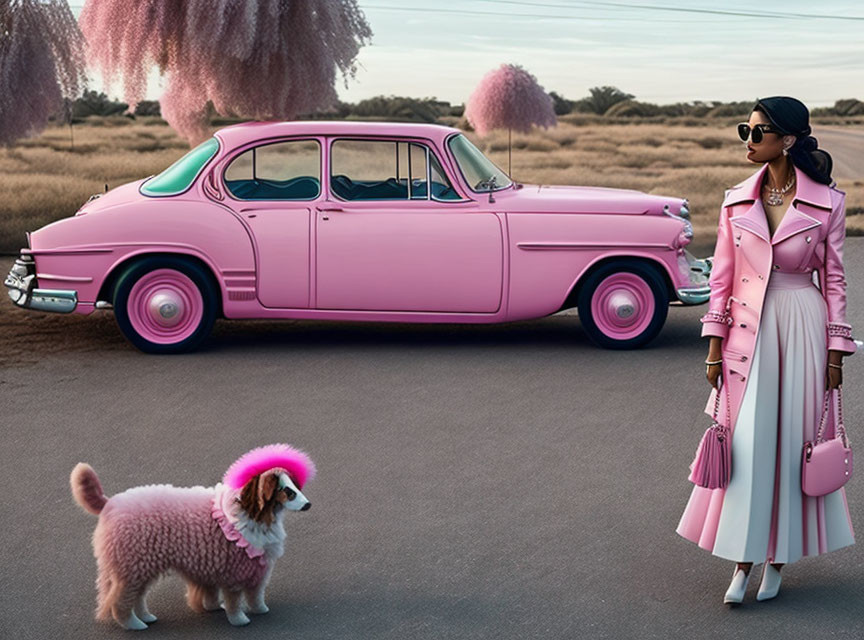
{"points": [[298, 465]]}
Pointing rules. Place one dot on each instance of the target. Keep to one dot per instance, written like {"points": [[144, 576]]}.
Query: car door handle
{"points": [[323, 209]]}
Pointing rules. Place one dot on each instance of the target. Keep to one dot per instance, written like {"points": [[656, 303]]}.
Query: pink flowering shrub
{"points": [[261, 59], [509, 98], [41, 63]]}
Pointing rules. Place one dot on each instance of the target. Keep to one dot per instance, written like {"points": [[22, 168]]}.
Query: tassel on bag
{"points": [[712, 466]]}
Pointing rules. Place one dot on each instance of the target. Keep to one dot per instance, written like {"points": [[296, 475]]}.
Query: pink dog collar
{"points": [[223, 512]]}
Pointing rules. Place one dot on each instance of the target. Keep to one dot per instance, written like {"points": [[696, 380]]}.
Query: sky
{"points": [[661, 51]]}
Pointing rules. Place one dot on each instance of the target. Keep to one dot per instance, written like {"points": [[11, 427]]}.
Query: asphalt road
{"points": [[474, 482], [846, 145]]}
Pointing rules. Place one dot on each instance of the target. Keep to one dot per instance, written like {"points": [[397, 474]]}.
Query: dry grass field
{"points": [[45, 178]]}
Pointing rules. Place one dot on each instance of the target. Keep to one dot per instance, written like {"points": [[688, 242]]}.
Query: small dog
{"points": [[226, 537]]}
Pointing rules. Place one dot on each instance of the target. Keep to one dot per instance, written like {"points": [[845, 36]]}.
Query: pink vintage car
{"points": [[359, 221]]}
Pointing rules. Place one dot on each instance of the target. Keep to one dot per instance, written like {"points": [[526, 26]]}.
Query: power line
{"points": [[519, 15], [783, 15], [724, 12]]}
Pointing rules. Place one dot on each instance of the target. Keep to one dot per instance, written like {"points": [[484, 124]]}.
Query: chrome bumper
{"points": [[698, 271], [21, 281]]}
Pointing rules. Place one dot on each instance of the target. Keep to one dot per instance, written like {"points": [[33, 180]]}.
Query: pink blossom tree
{"points": [[509, 98], [41, 64], [261, 59]]}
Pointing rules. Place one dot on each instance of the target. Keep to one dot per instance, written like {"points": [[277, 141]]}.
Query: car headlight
{"points": [[684, 216], [683, 212], [688, 229]]}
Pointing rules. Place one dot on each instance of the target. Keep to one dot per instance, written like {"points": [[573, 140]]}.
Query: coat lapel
{"points": [[794, 220]]}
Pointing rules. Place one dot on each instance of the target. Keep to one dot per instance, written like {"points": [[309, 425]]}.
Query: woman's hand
{"points": [[715, 353], [713, 372], [834, 375]]}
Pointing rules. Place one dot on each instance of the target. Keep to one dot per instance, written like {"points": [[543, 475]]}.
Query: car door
{"points": [[385, 241], [272, 186]]}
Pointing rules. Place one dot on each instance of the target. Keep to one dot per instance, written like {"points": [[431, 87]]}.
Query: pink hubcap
{"points": [[165, 306], [622, 306]]}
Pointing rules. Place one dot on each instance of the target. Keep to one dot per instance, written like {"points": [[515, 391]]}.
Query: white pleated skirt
{"points": [[765, 516]]}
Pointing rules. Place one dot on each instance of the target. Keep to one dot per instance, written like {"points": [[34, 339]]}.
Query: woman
{"points": [[776, 345]]}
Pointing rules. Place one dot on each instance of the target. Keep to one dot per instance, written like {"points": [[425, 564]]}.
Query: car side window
{"points": [[386, 170], [289, 170], [441, 187]]}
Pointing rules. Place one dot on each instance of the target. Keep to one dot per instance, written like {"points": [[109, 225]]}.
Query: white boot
{"points": [[770, 584], [738, 586]]}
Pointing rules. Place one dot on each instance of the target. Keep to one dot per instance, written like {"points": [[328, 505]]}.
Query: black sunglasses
{"points": [[759, 130]]}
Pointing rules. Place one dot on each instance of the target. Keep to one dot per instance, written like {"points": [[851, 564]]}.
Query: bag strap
{"points": [[840, 428], [717, 404]]}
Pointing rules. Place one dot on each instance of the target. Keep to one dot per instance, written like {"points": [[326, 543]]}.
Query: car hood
{"points": [[569, 199], [118, 195]]}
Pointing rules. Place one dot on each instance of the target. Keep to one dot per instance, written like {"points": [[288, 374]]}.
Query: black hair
{"points": [[790, 117]]}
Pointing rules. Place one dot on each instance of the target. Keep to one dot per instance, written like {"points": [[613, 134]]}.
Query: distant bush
{"points": [[562, 105], [633, 109], [848, 107], [603, 98], [94, 103], [742, 109], [402, 108], [148, 108]]}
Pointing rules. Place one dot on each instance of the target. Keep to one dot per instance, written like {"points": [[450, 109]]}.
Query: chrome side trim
{"points": [[568, 246], [51, 276], [64, 252]]}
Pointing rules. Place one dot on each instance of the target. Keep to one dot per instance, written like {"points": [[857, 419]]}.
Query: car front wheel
{"points": [[165, 304], [623, 304]]}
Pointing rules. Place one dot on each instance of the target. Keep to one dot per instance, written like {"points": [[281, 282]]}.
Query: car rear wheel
{"points": [[165, 304], [623, 304]]}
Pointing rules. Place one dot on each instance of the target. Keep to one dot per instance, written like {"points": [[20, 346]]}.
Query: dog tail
{"points": [[86, 488]]}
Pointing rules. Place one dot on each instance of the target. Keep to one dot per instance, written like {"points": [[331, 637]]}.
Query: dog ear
{"points": [[267, 483], [257, 497], [249, 497]]}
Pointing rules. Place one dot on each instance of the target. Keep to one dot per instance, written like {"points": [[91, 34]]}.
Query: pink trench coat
{"points": [[810, 234]]}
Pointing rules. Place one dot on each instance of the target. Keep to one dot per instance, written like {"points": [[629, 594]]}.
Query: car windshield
{"points": [[180, 175], [478, 170]]}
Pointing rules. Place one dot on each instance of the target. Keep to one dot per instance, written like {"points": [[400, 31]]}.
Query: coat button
{"points": [[776, 266], [808, 239], [744, 280], [761, 277], [743, 358], [743, 325]]}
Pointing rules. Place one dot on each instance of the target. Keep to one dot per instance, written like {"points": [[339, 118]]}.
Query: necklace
{"points": [[775, 196]]}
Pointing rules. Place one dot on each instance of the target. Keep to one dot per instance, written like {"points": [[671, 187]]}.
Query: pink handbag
{"points": [[712, 466], [826, 465]]}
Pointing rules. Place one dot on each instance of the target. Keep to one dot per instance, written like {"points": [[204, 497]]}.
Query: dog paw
{"points": [[148, 617], [259, 608], [133, 623], [238, 619]]}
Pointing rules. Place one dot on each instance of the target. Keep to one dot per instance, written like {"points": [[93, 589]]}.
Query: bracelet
{"points": [[836, 366], [709, 362]]}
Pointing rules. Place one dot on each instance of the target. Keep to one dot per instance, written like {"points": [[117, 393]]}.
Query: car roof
{"points": [[245, 132]]}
